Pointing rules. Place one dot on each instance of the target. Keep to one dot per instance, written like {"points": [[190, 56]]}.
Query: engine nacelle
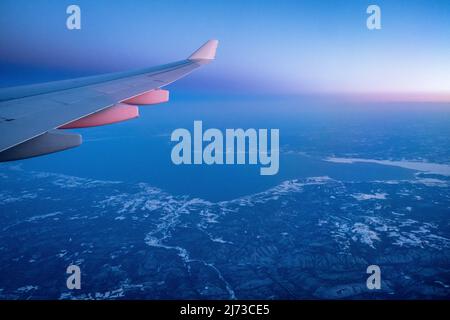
{"points": [[117, 113], [151, 97], [48, 142]]}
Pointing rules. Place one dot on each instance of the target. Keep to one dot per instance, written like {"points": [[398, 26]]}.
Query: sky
{"points": [[266, 47]]}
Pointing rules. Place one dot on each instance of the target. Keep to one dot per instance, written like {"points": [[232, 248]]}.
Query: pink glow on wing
{"points": [[151, 97], [116, 113]]}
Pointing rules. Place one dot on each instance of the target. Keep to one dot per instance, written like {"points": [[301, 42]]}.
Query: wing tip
{"points": [[206, 51]]}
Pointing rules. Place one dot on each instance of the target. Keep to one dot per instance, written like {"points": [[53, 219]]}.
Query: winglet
{"points": [[205, 52]]}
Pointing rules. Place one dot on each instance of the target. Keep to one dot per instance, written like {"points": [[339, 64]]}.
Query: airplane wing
{"points": [[33, 117]]}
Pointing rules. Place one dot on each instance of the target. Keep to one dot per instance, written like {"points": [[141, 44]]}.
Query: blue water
{"points": [[311, 129]]}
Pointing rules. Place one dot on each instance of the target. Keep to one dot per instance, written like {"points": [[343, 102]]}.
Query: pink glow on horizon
{"points": [[441, 97]]}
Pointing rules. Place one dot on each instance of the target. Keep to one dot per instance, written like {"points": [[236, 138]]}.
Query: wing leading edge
{"points": [[32, 113]]}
